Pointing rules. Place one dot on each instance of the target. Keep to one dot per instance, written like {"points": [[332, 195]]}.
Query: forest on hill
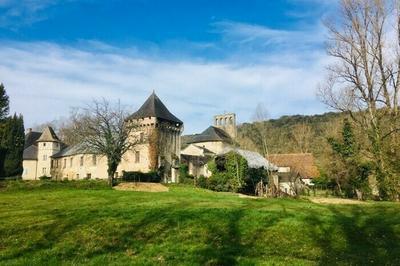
{"points": [[294, 134]]}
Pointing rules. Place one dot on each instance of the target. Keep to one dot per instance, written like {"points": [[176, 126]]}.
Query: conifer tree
{"points": [[12, 138], [4, 103], [12, 141]]}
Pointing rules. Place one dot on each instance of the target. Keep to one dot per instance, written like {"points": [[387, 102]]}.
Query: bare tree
{"points": [[302, 135], [364, 81], [103, 129], [260, 118]]}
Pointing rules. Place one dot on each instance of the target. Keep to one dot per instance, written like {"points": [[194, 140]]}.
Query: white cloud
{"points": [[45, 80], [23, 12], [248, 33]]}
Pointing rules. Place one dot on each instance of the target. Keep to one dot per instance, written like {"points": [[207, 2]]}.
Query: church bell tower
{"points": [[226, 122]]}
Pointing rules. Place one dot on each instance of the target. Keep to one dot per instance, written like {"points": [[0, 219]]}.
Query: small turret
{"points": [[48, 145]]}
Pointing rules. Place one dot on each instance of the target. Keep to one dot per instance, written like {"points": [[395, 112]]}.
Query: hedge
{"points": [[151, 177]]}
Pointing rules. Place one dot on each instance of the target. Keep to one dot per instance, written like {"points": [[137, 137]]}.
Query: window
{"points": [[44, 171], [94, 159], [81, 161], [137, 157], [45, 157], [44, 144], [65, 163], [77, 176], [116, 175], [141, 137], [70, 162], [88, 176]]}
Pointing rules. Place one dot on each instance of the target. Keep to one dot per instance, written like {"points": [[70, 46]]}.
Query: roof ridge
{"points": [[154, 107]]}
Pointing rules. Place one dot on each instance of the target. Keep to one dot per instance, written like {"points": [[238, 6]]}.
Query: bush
{"points": [[151, 177], [184, 177], [53, 184], [253, 177], [219, 181], [228, 172], [188, 180], [44, 177], [202, 182], [5, 178]]}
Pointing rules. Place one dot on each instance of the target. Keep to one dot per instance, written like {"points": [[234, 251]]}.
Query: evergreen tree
{"points": [[355, 170], [4, 103], [12, 138]]}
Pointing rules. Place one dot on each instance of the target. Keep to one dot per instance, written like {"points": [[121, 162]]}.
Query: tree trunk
{"points": [[111, 180], [112, 168]]}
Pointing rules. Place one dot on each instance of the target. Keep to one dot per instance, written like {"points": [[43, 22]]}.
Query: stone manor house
{"points": [[46, 155]]}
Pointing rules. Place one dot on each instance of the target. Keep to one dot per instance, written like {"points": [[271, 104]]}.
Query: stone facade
{"points": [[227, 122], [157, 134]]}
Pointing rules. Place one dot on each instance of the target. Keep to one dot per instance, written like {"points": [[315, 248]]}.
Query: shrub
{"points": [[5, 178], [252, 178], [228, 172], [188, 180], [183, 170], [152, 177], [184, 177], [219, 181], [202, 182], [44, 177], [53, 184]]}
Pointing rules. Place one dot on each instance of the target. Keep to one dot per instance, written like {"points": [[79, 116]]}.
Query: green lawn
{"points": [[66, 225]]}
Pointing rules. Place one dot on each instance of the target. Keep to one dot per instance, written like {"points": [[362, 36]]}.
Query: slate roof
{"points": [[31, 138], [30, 153], [301, 163], [48, 135], [154, 107], [210, 134], [70, 151], [254, 159]]}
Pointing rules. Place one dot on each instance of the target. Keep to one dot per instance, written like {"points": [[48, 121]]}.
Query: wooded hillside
{"points": [[294, 134]]}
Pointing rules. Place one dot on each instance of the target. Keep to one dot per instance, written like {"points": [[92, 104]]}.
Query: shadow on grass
{"points": [[187, 233], [356, 235]]}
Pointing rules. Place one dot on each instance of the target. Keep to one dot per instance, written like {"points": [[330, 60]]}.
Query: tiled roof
{"points": [[302, 163], [154, 107]]}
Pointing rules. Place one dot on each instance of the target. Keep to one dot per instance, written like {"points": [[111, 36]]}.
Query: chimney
{"points": [[29, 130]]}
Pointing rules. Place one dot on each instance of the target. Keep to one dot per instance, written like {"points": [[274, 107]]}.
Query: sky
{"points": [[201, 57]]}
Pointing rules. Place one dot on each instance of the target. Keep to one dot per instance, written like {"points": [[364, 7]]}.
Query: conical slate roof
{"points": [[48, 135], [154, 107], [211, 134]]}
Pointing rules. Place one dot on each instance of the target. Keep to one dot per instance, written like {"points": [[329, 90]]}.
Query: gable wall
{"points": [[29, 172]]}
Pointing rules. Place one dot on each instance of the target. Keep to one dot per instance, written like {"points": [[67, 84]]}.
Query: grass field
{"points": [[70, 224]]}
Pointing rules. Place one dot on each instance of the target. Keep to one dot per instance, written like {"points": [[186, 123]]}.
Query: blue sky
{"points": [[202, 57]]}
